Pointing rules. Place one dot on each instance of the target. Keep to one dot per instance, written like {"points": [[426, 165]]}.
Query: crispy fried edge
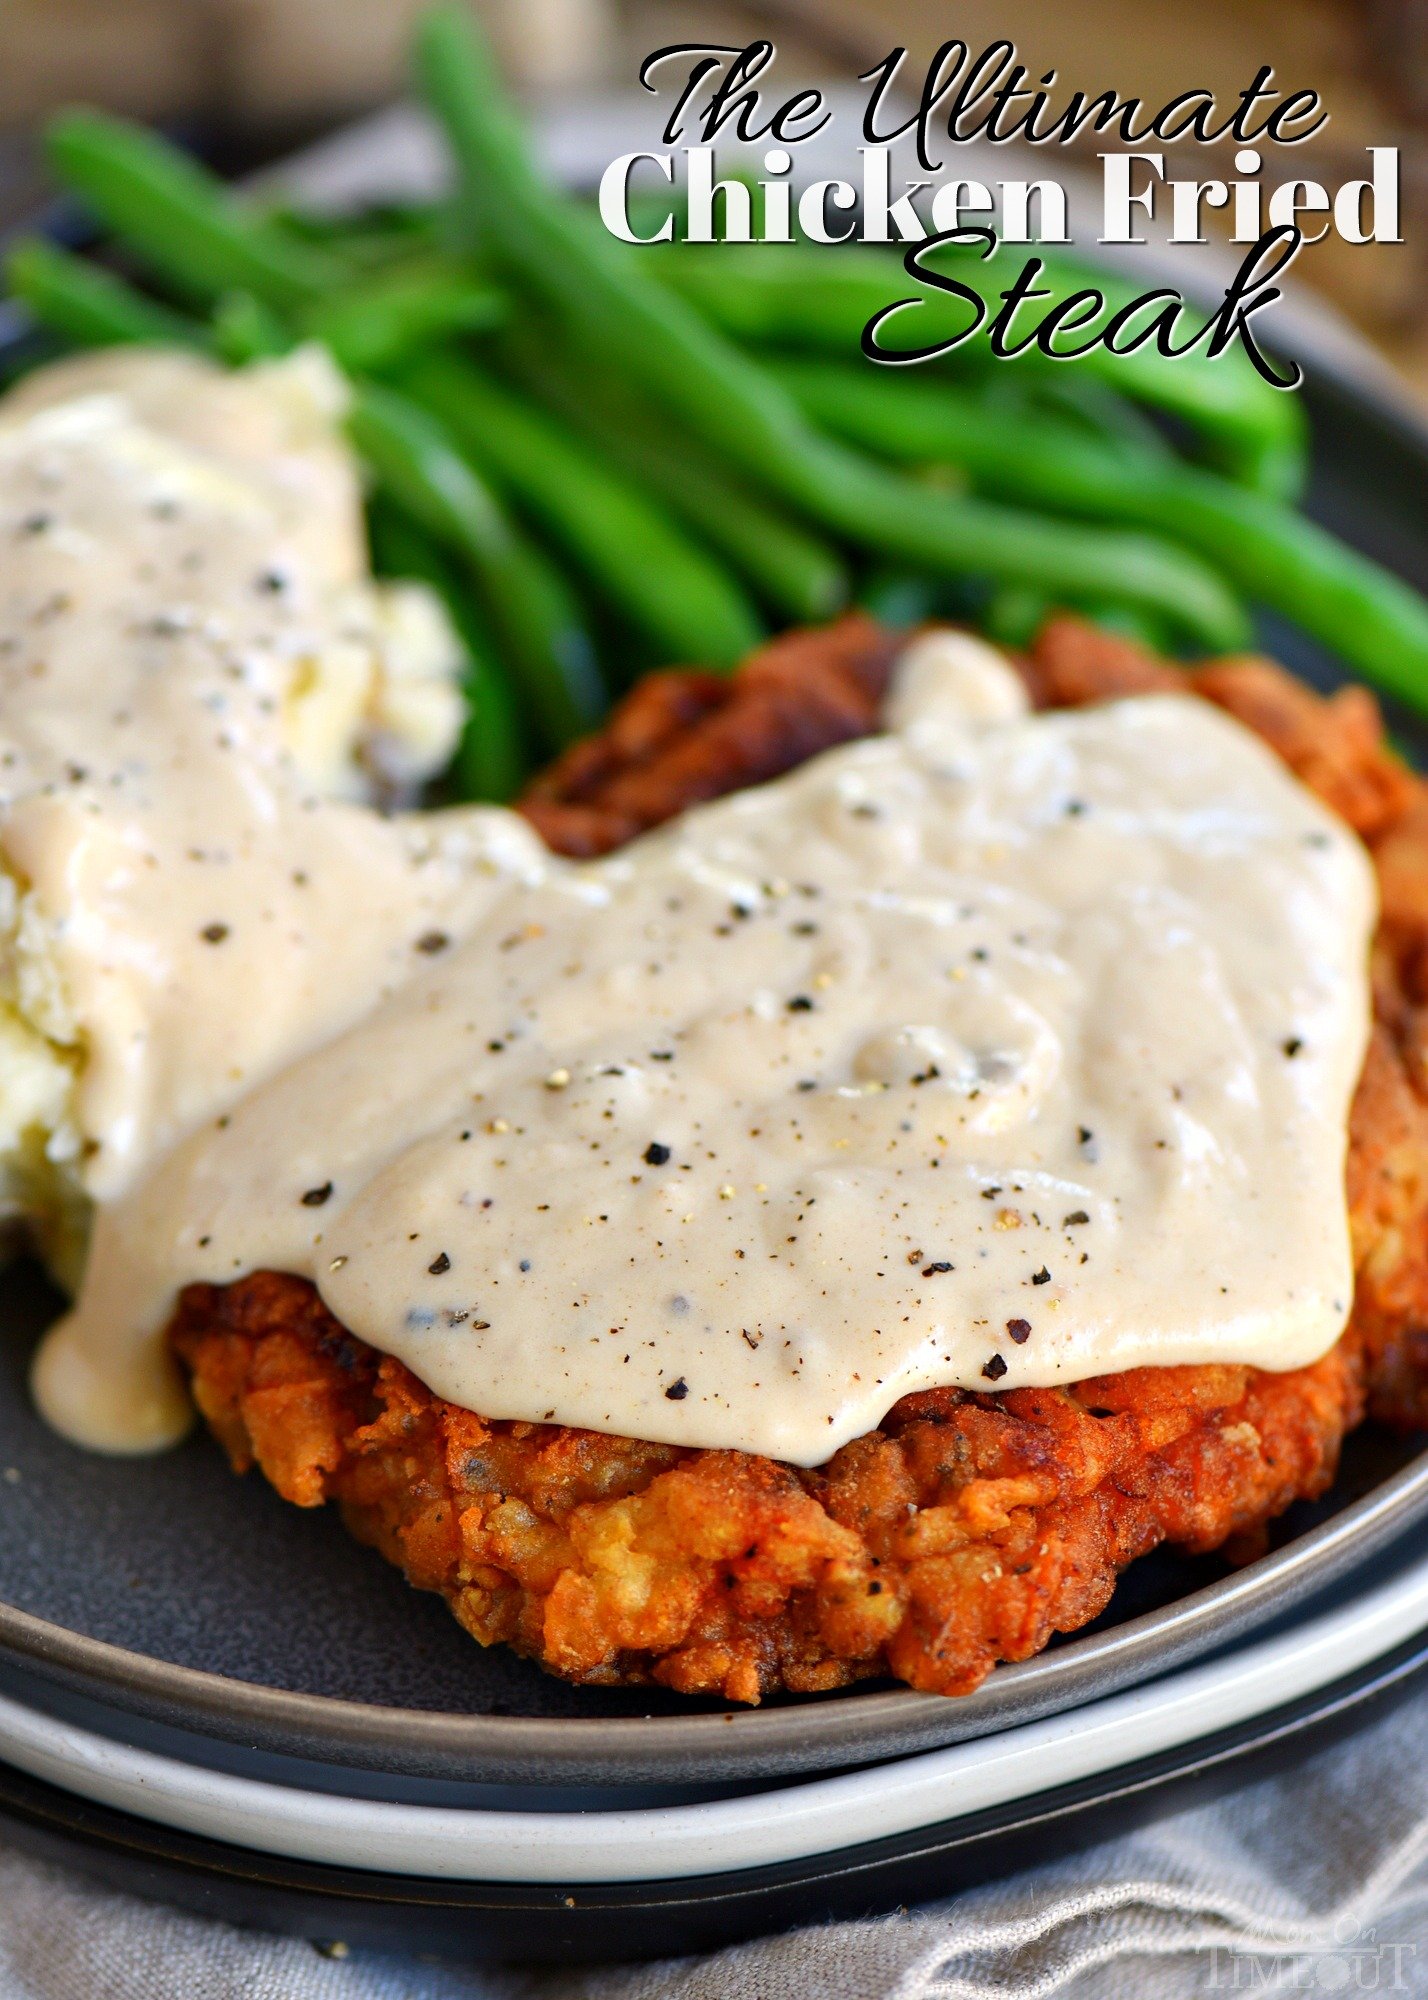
{"points": [[967, 1528]]}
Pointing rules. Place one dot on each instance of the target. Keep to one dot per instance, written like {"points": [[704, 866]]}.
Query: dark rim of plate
{"points": [[856, 1727], [819, 1732]]}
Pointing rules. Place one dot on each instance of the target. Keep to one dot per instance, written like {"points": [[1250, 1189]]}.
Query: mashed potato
{"points": [[203, 694]]}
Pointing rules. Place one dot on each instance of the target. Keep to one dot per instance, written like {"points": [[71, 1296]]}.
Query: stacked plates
{"points": [[210, 1696]]}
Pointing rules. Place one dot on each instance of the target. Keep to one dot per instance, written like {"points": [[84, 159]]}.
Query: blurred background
{"points": [[247, 79]]}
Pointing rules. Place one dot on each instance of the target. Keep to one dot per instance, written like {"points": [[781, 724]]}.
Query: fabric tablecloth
{"points": [[1314, 1881]]}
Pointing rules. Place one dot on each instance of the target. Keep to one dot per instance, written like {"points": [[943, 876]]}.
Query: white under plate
{"points": [[729, 1834]]}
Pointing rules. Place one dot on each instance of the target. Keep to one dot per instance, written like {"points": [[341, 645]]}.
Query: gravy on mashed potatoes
{"points": [[202, 691]]}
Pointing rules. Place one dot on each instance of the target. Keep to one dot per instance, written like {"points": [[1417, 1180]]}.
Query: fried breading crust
{"points": [[684, 736], [967, 1528]]}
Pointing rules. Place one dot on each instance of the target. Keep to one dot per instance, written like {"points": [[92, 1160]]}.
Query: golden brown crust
{"points": [[684, 736], [967, 1529]]}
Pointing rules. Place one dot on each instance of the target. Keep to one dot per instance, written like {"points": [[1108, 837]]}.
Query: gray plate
{"points": [[164, 1595]]}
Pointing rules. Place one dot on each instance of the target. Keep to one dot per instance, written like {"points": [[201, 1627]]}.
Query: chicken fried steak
{"points": [[968, 1528]]}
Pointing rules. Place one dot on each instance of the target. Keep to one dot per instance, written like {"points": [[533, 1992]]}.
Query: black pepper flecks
{"points": [[655, 1154], [995, 1368], [677, 1391], [439, 1264], [214, 933], [931, 1270], [1291, 1046], [432, 942], [1074, 1219], [1019, 1329], [1041, 1277], [800, 1004], [315, 1197]]}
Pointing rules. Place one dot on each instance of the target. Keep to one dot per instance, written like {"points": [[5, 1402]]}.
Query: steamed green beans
{"points": [[247, 330], [1277, 557], [192, 230], [655, 339], [489, 761], [666, 584], [384, 320], [92, 307], [676, 592], [669, 422], [798, 296], [791, 570], [1091, 406], [529, 604]]}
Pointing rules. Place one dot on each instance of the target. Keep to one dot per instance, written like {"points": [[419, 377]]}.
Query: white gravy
{"points": [[994, 1051], [189, 641]]}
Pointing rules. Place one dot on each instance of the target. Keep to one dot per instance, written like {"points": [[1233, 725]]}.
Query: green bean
{"points": [[378, 242], [894, 597], [791, 570], [385, 229], [1014, 615], [1130, 621], [545, 647], [1377, 624], [367, 327], [89, 306], [788, 294], [489, 761], [666, 585], [247, 330], [1249, 430], [185, 223], [378, 323], [653, 337], [1095, 409]]}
